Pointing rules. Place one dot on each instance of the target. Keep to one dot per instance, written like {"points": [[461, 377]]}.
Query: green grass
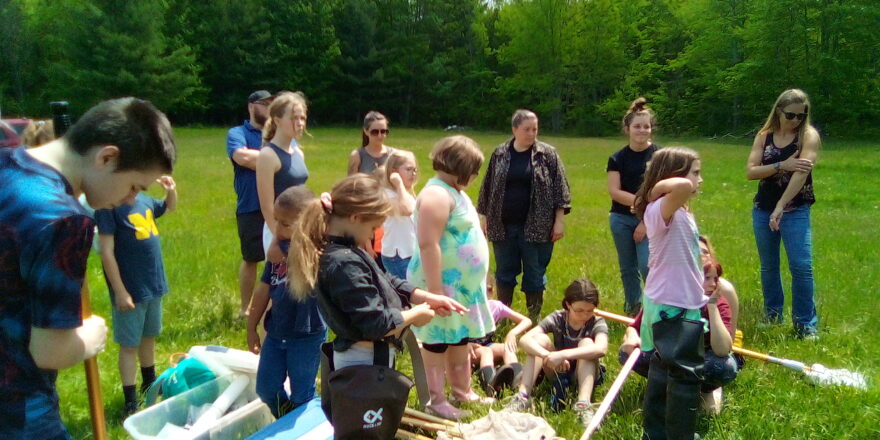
{"points": [[765, 402]]}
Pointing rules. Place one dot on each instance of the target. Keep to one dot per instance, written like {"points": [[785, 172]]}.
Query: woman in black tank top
{"points": [[782, 158]]}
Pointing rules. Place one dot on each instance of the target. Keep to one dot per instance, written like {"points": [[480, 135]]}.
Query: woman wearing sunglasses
{"points": [[373, 152], [782, 158]]}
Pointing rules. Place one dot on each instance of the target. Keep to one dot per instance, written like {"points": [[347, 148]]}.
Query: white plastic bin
{"points": [[248, 414]]}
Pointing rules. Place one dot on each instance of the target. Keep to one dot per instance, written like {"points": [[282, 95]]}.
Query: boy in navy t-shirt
{"points": [[132, 255], [113, 151]]}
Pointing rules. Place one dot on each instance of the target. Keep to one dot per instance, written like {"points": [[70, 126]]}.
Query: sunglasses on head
{"points": [[378, 131], [792, 115]]}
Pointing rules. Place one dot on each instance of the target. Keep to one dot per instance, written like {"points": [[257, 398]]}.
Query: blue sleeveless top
{"points": [[293, 169]]}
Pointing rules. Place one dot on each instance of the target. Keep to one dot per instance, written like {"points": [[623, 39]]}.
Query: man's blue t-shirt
{"points": [[288, 317], [138, 248], [245, 181], [45, 237]]}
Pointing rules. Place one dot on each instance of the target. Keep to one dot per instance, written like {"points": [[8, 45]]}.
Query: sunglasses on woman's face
{"points": [[792, 115], [378, 131]]}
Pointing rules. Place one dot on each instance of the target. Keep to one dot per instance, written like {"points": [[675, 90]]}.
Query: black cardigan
{"points": [[357, 299]]}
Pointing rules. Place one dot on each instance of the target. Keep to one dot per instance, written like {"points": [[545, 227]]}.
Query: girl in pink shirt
{"points": [[673, 293]]}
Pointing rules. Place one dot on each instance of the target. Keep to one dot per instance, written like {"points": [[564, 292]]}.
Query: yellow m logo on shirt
{"points": [[144, 227]]}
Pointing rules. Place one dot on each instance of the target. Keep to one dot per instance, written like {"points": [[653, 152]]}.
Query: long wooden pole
{"points": [[745, 352], [427, 417], [824, 376], [93, 378]]}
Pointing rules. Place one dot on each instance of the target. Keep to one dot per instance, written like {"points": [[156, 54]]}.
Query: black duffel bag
{"points": [[363, 401], [679, 342]]}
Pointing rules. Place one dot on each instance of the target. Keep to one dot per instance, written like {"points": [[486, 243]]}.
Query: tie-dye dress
{"points": [[465, 263]]}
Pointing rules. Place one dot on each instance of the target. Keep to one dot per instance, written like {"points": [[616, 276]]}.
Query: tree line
{"points": [[708, 67]]}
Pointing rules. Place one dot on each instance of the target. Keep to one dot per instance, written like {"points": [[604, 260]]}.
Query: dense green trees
{"points": [[710, 67]]}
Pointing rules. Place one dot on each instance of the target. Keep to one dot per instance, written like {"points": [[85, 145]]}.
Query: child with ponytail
{"points": [[294, 330], [281, 163], [673, 294], [361, 303]]}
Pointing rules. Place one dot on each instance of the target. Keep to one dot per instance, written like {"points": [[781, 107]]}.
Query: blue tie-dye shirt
{"points": [[45, 237]]}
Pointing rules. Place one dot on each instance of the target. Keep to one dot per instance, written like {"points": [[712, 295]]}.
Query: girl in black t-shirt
{"points": [[626, 170]]}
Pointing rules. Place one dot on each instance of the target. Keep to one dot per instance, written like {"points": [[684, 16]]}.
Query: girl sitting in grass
{"points": [[485, 352], [580, 339]]}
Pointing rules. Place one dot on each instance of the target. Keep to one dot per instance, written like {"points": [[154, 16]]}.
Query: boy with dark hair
{"points": [[115, 150], [132, 255]]}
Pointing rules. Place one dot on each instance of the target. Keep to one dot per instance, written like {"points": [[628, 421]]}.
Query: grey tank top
{"points": [[370, 163]]}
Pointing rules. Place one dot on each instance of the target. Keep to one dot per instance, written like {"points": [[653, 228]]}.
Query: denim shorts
{"points": [[395, 265], [145, 321]]}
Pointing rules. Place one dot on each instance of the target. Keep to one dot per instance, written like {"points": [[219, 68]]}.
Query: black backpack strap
{"points": [[418, 367]]}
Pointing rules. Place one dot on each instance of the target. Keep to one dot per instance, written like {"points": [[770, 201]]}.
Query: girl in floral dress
{"points": [[453, 260]]}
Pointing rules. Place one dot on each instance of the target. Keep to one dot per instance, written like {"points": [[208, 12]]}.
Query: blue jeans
{"points": [[396, 266], [514, 255], [297, 358], [632, 258], [795, 234]]}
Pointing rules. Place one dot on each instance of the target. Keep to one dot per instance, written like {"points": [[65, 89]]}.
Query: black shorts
{"points": [[250, 235], [485, 341], [441, 348]]}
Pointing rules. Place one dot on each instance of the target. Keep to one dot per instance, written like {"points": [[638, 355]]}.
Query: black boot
{"points": [[517, 374], [654, 405], [504, 294], [486, 375], [682, 401], [534, 302]]}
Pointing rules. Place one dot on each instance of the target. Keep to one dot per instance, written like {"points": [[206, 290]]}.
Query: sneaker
{"points": [[519, 402], [585, 412], [810, 336], [129, 408], [472, 397]]}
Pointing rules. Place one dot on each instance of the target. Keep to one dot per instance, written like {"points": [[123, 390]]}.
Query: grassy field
{"points": [[765, 402]]}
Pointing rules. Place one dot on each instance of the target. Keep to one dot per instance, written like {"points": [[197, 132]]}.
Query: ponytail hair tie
{"points": [[327, 202]]}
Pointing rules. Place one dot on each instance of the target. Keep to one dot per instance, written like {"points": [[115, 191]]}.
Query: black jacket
{"points": [[358, 300]]}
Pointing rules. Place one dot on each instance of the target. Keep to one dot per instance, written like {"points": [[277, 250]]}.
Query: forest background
{"points": [[709, 67]]}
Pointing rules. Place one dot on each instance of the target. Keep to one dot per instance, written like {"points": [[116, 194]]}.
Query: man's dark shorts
{"points": [[250, 235]]}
